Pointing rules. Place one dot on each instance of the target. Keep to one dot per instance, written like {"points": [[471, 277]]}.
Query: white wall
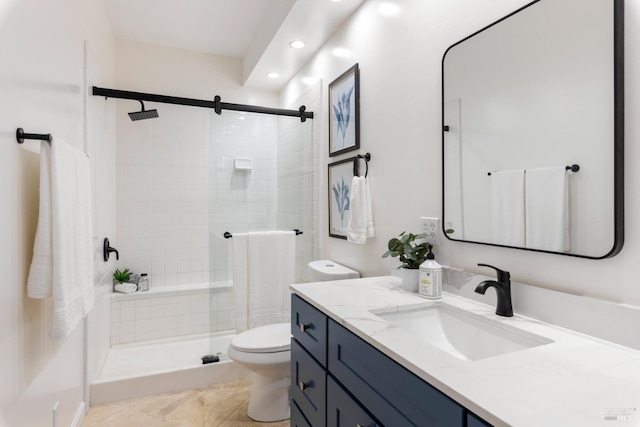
{"points": [[147, 68], [400, 59], [42, 90]]}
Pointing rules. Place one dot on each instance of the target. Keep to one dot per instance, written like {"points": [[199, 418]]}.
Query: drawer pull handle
{"points": [[304, 327], [302, 386]]}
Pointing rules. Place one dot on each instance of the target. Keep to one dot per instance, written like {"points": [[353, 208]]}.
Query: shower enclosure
{"points": [[183, 180]]}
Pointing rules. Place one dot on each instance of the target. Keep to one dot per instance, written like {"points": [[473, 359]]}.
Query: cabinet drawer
{"points": [[308, 385], [395, 396], [297, 419], [343, 411], [309, 327]]}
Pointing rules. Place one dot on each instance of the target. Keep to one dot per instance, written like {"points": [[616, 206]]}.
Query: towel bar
{"points": [[228, 235], [21, 136], [572, 168]]}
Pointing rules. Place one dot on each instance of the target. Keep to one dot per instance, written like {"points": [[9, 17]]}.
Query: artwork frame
{"points": [[340, 174], [344, 112]]}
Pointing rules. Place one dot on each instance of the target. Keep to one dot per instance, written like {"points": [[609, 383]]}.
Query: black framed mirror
{"points": [[533, 130]]}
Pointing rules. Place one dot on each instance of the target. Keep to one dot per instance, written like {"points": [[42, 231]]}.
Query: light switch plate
{"points": [[430, 226]]}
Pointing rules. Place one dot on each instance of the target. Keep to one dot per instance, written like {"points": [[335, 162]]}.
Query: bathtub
{"points": [[145, 359]]}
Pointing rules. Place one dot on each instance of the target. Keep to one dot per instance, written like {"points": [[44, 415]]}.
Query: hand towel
{"points": [[547, 209], [240, 273], [126, 288], [62, 264], [263, 269], [360, 225], [507, 208]]}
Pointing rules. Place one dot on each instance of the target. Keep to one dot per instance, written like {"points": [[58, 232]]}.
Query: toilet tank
{"points": [[324, 270]]}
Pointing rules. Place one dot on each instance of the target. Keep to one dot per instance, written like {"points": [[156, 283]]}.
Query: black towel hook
{"points": [[366, 158]]}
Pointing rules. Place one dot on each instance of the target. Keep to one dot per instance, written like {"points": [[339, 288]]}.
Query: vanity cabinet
{"points": [[338, 379]]}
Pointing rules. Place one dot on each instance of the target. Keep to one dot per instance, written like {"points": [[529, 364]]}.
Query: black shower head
{"points": [[144, 114]]}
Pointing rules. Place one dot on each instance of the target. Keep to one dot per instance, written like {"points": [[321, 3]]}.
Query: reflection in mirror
{"points": [[523, 99]]}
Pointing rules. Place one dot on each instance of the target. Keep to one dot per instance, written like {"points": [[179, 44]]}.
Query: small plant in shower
{"points": [[341, 194], [122, 276], [411, 254], [342, 110]]}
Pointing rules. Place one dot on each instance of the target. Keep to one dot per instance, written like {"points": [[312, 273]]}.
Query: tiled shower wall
{"points": [[242, 200], [299, 180], [177, 193]]}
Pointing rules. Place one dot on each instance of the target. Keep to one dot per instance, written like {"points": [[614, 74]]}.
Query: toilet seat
{"points": [[264, 339]]}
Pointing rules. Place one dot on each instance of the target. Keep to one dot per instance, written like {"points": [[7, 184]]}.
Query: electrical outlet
{"points": [[430, 226]]}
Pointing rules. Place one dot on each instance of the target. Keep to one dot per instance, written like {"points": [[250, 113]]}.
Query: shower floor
{"points": [[163, 366]]}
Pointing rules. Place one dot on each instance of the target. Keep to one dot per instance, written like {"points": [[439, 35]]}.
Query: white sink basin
{"points": [[462, 334]]}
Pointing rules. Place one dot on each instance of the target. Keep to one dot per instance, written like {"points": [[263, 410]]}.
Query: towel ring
{"points": [[366, 158]]}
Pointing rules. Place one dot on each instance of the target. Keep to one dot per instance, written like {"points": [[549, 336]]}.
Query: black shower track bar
{"points": [[217, 105]]}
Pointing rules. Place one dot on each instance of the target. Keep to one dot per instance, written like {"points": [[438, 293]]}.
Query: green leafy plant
{"points": [[411, 254], [122, 276]]}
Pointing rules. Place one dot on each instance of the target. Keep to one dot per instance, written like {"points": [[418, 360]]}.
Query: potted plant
{"points": [[411, 255], [122, 278]]}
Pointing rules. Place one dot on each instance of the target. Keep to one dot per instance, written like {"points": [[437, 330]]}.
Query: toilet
{"points": [[324, 270], [266, 352]]}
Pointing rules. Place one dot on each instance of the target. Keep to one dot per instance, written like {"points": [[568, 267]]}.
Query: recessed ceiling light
{"points": [[273, 75], [296, 44]]}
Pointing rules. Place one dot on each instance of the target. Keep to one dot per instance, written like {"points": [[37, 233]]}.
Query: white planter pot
{"points": [[410, 279]]}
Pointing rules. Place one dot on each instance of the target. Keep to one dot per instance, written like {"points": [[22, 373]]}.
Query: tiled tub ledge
{"points": [[171, 311], [175, 290]]}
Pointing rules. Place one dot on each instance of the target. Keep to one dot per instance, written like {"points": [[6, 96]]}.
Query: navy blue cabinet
{"points": [[297, 419], [338, 379], [343, 410], [474, 421], [394, 395], [308, 385], [309, 328]]}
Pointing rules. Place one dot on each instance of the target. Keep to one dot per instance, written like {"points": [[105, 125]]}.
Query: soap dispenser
{"points": [[430, 277]]}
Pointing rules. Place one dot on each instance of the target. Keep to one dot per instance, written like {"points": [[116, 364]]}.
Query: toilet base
{"points": [[269, 399]]}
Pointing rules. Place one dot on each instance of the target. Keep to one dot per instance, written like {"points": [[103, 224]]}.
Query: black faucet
{"points": [[503, 290]]}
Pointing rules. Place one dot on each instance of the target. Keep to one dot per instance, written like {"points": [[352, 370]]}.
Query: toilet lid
{"points": [[264, 339]]}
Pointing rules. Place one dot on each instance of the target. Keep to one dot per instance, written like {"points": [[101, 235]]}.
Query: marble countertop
{"points": [[576, 380]]}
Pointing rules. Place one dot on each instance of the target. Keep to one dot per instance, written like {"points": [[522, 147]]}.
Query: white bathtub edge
{"points": [[185, 379]]}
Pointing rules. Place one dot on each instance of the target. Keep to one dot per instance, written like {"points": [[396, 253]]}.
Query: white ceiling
{"points": [[256, 31]]}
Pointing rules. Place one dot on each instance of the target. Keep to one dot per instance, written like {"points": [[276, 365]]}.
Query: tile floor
{"points": [[220, 405]]}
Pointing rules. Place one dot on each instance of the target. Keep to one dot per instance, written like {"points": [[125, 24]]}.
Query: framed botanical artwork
{"points": [[340, 176], [344, 112]]}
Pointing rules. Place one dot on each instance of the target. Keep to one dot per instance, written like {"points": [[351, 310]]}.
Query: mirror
{"points": [[522, 99]]}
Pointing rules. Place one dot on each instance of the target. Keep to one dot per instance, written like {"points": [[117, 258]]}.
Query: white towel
{"points": [[263, 269], [507, 208], [547, 209], [62, 264], [360, 226]]}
